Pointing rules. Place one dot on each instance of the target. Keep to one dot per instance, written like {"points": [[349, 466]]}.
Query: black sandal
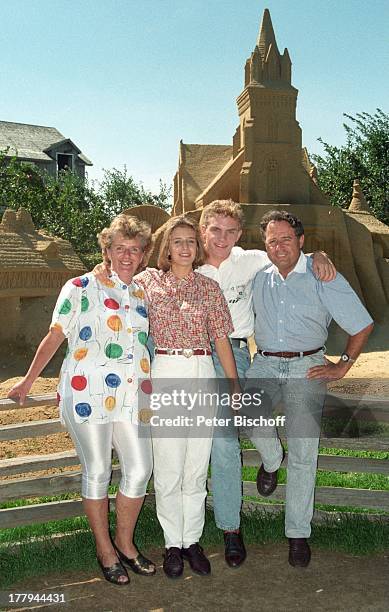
{"points": [[139, 565], [114, 572]]}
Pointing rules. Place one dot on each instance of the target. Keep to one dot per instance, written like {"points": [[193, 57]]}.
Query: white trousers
{"points": [[181, 462], [94, 442]]}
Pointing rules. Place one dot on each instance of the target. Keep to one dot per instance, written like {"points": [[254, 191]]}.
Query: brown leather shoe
{"points": [[234, 550], [197, 559], [299, 552], [267, 481], [173, 564]]}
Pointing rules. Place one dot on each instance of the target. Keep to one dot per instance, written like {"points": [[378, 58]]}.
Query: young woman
{"points": [[187, 312]]}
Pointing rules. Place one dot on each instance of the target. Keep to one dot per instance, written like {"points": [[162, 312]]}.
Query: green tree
{"points": [[365, 156], [20, 184], [69, 207], [120, 191]]}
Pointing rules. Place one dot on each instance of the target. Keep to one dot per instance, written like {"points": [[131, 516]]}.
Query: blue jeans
{"points": [[303, 399], [226, 464]]}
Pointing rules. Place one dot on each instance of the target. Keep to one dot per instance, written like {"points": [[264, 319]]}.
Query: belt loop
{"points": [[301, 354]]}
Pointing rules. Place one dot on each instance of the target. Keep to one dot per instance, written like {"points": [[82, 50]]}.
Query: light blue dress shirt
{"points": [[293, 314]]}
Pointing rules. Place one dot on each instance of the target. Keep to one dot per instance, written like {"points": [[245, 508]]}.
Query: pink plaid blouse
{"points": [[184, 313]]}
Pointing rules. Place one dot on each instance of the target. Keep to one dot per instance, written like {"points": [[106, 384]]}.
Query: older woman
{"points": [[187, 311], [106, 326]]}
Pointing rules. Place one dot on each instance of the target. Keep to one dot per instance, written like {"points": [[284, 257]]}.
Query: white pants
{"points": [[94, 442], [181, 462]]}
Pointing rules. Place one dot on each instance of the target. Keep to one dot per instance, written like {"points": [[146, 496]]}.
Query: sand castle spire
{"points": [[266, 36], [266, 65], [358, 202]]}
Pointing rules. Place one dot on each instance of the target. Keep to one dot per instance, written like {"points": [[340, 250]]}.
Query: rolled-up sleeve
{"points": [[344, 305], [67, 309]]}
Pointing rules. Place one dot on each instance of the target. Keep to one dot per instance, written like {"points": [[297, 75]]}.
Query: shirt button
{"points": [[282, 301], [129, 380], [281, 340], [126, 307], [129, 330], [124, 286]]}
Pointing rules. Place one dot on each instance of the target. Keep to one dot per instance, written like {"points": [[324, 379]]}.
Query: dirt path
{"points": [[333, 582]]}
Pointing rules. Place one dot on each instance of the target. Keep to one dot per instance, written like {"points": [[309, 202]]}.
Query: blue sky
{"points": [[126, 79]]}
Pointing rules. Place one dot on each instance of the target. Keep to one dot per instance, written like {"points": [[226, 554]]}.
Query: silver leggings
{"points": [[94, 443]]}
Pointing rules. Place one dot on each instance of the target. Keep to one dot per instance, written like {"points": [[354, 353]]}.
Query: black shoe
{"points": [[173, 564], [267, 481], [114, 572], [299, 552], [139, 565], [197, 560], [234, 550]]}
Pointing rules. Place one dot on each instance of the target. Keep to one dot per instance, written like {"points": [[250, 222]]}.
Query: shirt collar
{"points": [[233, 256], [300, 267], [171, 279], [117, 282]]}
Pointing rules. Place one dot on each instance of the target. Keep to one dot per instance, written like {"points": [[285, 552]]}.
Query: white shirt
{"points": [[235, 277], [106, 325]]}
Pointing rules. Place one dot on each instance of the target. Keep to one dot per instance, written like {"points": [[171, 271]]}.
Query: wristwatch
{"points": [[346, 358]]}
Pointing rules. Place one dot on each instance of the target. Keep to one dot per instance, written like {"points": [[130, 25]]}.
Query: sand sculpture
{"points": [[33, 268], [266, 167]]}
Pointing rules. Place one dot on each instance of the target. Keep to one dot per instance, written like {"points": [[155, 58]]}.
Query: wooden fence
{"points": [[351, 411]]}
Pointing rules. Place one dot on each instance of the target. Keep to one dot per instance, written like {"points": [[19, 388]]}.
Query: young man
{"points": [[234, 269], [293, 310]]}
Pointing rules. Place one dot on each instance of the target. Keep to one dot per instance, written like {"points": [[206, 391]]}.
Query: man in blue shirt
{"points": [[293, 310]]}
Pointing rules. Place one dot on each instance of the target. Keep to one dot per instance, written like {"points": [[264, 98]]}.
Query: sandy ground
{"points": [[332, 582]]}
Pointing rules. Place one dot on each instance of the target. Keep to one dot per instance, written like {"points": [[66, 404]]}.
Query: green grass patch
{"points": [[332, 479], [42, 530], [76, 551], [352, 428], [341, 452], [325, 507], [362, 454], [16, 503]]}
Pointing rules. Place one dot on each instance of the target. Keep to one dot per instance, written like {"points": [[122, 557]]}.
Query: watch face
{"points": [[345, 357]]}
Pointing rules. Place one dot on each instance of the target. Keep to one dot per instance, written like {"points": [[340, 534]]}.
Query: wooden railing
{"points": [[14, 485]]}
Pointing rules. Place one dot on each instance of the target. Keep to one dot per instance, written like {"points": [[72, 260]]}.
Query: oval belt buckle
{"points": [[187, 352]]}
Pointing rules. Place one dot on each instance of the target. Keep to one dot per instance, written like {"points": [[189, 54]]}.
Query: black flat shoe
{"points": [[197, 559], [139, 565], [173, 564], [234, 549], [114, 572]]}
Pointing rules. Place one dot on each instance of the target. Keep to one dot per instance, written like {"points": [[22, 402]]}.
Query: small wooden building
{"points": [[43, 146]]}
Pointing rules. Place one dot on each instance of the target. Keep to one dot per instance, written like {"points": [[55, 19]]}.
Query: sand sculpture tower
{"points": [[266, 168], [268, 133]]}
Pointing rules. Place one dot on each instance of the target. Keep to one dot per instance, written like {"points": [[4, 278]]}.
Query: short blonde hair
{"points": [[180, 221], [227, 208], [130, 227]]}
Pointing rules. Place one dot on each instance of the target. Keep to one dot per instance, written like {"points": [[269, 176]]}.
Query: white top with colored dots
{"points": [[107, 367]]}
